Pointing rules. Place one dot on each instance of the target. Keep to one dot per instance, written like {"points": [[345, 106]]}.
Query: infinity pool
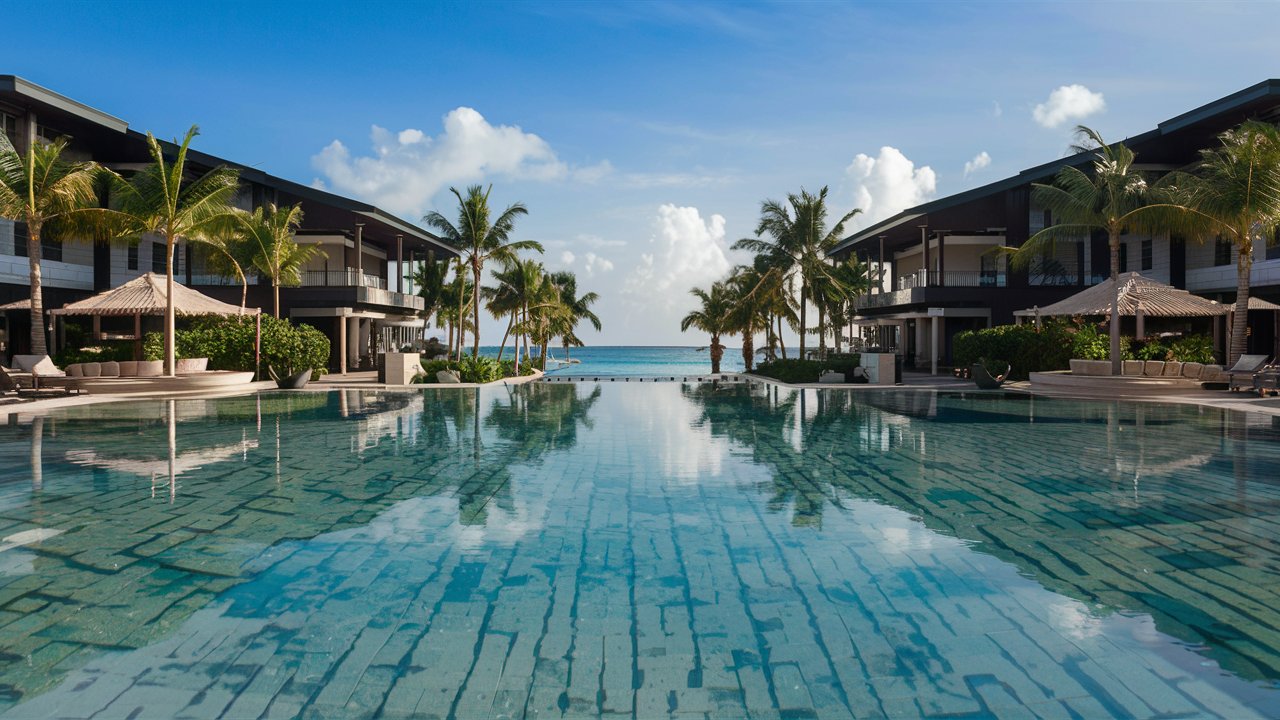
{"points": [[645, 550]]}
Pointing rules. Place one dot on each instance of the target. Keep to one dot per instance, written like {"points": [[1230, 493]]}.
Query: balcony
{"points": [[952, 278], [347, 277]]}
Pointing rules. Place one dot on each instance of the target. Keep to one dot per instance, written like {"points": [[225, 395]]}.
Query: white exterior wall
{"points": [[74, 271], [1161, 257], [1204, 276]]}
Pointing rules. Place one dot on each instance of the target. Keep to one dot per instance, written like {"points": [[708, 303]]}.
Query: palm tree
{"points": [[578, 309], [798, 245], [749, 301], [429, 279], [48, 193], [711, 318], [1232, 193], [835, 291], [481, 240], [158, 200], [509, 297], [1112, 199], [229, 255], [269, 231]]}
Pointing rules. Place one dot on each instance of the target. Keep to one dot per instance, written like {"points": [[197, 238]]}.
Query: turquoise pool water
{"points": [[590, 550]]}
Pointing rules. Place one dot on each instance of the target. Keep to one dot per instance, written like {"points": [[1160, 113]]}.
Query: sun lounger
{"points": [[41, 367], [10, 387], [1267, 380], [1241, 374], [984, 380]]}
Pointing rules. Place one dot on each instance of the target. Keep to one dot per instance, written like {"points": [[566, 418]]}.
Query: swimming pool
{"points": [[585, 550]]}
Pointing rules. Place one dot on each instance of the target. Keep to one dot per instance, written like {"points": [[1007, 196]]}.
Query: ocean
{"points": [[636, 361]]}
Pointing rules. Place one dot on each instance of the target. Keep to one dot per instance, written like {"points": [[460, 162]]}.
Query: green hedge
{"points": [[102, 353], [229, 345], [805, 371], [472, 370], [1024, 347]]}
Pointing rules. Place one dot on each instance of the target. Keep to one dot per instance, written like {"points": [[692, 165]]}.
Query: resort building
{"points": [[356, 291], [942, 275]]}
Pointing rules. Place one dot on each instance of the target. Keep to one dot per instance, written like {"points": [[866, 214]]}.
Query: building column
{"points": [[359, 253], [353, 343], [880, 284], [342, 344], [924, 244], [933, 341], [400, 263], [942, 262]]}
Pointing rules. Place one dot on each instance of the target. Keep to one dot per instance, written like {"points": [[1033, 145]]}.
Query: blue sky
{"points": [[642, 136]]}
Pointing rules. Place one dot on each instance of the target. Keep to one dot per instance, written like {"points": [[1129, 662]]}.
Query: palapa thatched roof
{"points": [[1156, 299], [145, 295], [16, 305]]}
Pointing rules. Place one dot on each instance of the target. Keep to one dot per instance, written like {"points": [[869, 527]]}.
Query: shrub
{"points": [[1193, 348], [228, 343], [805, 371], [479, 370], [1090, 343], [107, 351], [1024, 347], [1152, 350]]}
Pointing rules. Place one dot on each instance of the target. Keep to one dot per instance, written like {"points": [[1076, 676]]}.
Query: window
{"points": [[158, 258], [1124, 257], [49, 249], [1273, 247], [133, 257], [1146, 255], [1221, 251], [9, 126]]}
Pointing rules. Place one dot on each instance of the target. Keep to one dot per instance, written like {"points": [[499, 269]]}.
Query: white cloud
{"points": [[996, 110], [979, 162], [406, 169], [593, 264], [567, 258], [688, 252], [887, 184], [1068, 103], [595, 241]]}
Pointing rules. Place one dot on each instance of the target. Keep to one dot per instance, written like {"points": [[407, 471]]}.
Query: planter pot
{"points": [[1090, 367], [297, 381]]}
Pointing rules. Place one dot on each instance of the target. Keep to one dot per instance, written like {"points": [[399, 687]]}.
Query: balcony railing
{"points": [[347, 277], [953, 278]]}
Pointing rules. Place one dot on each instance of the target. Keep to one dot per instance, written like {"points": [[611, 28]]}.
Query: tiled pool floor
{"points": [[645, 551]]}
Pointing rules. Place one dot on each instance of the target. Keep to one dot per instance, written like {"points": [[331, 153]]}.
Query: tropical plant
{"points": [[430, 280], [711, 317], [480, 240], [749, 306], [1112, 199], [834, 292], [269, 233], [577, 309], [49, 193], [229, 343], [158, 199], [797, 245], [511, 296], [1232, 193]]}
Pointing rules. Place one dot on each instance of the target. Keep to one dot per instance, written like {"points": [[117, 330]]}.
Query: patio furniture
{"points": [[1241, 374], [40, 367], [1267, 381], [8, 385], [984, 380]]}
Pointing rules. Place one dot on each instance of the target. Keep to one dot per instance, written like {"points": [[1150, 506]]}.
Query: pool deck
{"points": [[21, 411]]}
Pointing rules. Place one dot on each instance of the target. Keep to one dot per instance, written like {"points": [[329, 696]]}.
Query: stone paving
{"points": [[555, 550]]}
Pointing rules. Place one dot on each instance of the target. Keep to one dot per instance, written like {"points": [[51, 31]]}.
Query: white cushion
{"points": [[92, 369], [151, 368], [111, 368], [75, 370], [128, 368]]}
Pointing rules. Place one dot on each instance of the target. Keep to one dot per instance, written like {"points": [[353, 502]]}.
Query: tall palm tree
{"points": [[835, 291], [158, 199], [578, 309], [711, 317], [1233, 192], [798, 243], [229, 255], [429, 279], [509, 297], [1112, 198], [269, 231], [480, 240], [48, 193]]}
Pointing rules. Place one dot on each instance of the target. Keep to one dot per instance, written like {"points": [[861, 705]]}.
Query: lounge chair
{"points": [[8, 385], [41, 368], [984, 380], [1241, 374], [1267, 380]]}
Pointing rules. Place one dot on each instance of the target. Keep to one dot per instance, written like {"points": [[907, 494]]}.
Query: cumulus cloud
{"points": [[594, 265], [567, 258], [405, 170], [1068, 103], [979, 162], [996, 110], [887, 184], [688, 251], [595, 241]]}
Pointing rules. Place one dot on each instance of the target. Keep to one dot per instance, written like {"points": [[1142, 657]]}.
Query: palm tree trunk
{"points": [[38, 345], [505, 335], [244, 288], [462, 311], [1240, 323], [804, 294], [717, 350], [782, 345], [170, 327], [475, 301], [1116, 361], [748, 349], [822, 331], [275, 288]]}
